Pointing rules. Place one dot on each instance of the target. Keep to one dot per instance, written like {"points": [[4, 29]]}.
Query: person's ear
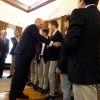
{"points": [[82, 2]]}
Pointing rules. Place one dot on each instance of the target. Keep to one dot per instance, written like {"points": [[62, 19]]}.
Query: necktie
{"points": [[4, 40]]}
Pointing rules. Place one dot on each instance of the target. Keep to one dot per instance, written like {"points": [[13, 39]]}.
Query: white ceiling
{"points": [[29, 2]]}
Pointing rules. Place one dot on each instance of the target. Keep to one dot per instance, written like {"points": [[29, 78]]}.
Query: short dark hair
{"points": [[55, 23], [67, 18], [46, 30], [91, 2]]}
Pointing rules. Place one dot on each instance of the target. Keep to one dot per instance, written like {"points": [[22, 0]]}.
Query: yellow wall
{"points": [[55, 9]]}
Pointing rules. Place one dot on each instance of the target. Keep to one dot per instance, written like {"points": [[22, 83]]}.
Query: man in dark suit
{"points": [[4, 49], [24, 54], [45, 32], [82, 48], [53, 56], [65, 83], [14, 41]]}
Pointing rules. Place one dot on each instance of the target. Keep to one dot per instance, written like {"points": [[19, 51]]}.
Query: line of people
{"points": [[76, 58]]}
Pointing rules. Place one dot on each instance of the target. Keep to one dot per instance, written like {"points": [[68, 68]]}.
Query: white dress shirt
{"points": [[17, 39], [90, 5], [53, 35]]}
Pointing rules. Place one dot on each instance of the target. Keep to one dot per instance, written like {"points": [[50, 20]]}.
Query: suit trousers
{"points": [[19, 79], [52, 77], [34, 73], [65, 87], [40, 73], [45, 77], [98, 91], [84, 92], [12, 65], [2, 64]]}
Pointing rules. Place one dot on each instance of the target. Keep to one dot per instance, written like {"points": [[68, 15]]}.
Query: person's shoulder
{"points": [[59, 33], [79, 11], [33, 26], [12, 37], [7, 39]]}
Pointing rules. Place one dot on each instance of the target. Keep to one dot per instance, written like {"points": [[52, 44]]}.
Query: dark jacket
{"points": [[27, 43], [54, 51], [38, 52], [46, 54], [82, 46], [4, 48], [14, 42], [63, 62]]}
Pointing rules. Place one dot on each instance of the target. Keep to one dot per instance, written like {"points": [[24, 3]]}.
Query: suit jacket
{"points": [[54, 51], [4, 48], [38, 52], [14, 42], [46, 54], [82, 46], [63, 62], [27, 43]]}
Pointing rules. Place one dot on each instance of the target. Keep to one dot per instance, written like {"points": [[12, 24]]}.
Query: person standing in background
{"points": [[24, 54], [46, 63], [14, 41], [4, 50], [62, 70], [53, 56], [82, 48]]}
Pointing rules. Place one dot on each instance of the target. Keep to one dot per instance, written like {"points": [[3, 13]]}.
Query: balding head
{"points": [[3, 33], [39, 23]]}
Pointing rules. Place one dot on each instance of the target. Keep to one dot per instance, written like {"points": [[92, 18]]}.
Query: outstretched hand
{"points": [[58, 71], [56, 44]]}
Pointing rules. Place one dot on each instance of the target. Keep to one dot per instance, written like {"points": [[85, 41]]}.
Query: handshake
{"points": [[56, 44]]}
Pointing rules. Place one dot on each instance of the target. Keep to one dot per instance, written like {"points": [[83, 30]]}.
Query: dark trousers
{"points": [[22, 68], [2, 63]]}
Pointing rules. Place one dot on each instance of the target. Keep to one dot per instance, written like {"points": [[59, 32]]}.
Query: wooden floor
{"points": [[32, 95]]}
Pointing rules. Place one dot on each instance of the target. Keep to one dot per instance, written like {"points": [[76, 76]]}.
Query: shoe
{"points": [[48, 89], [10, 76], [56, 94], [12, 98], [35, 87], [39, 89], [30, 84], [23, 96], [1, 77], [43, 92], [50, 98], [72, 98]]}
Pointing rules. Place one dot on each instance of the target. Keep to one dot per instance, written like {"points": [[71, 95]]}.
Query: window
{"points": [[10, 33]]}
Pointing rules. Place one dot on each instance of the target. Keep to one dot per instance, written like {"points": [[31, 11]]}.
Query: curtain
{"points": [[46, 24], [11, 26], [62, 25], [19, 29], [3, 25]]}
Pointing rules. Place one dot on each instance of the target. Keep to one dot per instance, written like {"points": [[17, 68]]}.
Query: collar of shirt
{"points": [[90, 5], [54, 32], [65, 32], [43, 45], [17, 38]]}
